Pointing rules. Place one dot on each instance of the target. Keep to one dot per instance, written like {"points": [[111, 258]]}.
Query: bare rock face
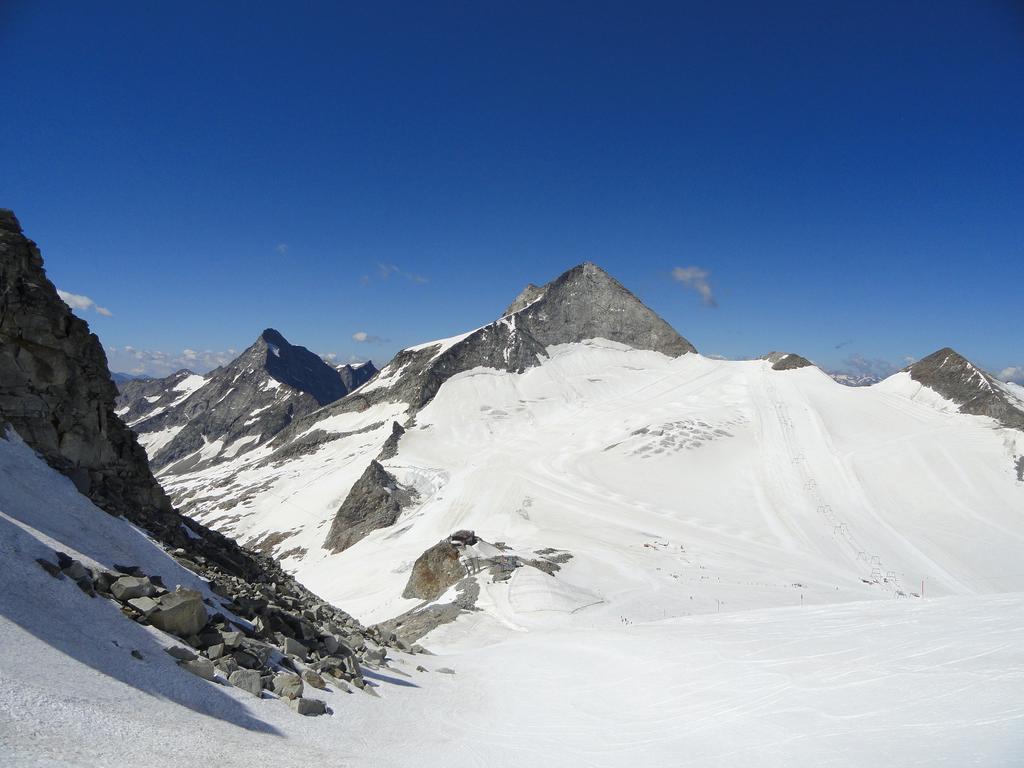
{"points": [[527, 296], [55, 389], [976, 392], [375, 501], [787, 361], [586, 303], [435, 571]]}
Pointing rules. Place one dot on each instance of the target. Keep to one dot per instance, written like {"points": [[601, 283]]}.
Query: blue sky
{"points": [[843, 178]]}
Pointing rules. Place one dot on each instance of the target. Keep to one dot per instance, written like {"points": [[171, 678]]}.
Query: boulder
{"points": [[292, 647], [128, 587], [231, 639], [181, 654], [180, 612], [200, 667], [144, 605], [288, 686], [248, 680], [312, 678], [309, 707], [435, 571]]}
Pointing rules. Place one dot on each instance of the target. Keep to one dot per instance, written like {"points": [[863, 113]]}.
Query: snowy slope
{"points": [[680, 486], [934, 682], [925, 682]]}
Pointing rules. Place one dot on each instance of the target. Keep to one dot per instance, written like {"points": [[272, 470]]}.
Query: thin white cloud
{"points": [[84, 303], [155, 362], [281, 248], [1014, 373], [386, 271], [362, 337], [696, 278]]}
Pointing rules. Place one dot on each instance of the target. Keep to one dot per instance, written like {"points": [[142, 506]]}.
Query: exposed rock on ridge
{"points": [[976, 392], [787, 361]]}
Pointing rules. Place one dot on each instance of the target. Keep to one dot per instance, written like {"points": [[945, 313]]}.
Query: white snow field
{"points": [[680, 486], [933, 682], [749, 548]]}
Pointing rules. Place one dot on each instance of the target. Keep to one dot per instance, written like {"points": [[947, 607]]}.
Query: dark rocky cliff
{"points": [[56, 391]]}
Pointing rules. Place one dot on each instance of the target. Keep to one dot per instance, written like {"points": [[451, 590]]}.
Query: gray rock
{"points": [[226, 664], [180, 612], [232, 639], [215, 651], [144, 605], [248, 680], [435, 571], [288, 686], [292, 647], [181, 654], [976, 392], [309, 707], [200, 667], [787, 361], [128, 587], [375, 501], [313, 679]]}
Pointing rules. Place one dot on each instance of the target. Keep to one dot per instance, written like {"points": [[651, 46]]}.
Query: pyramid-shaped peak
{"points": [[586, 302]]}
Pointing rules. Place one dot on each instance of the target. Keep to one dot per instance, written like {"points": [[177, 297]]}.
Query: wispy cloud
{"points": [[154, 362], [1014, 373], [84, 303], [362, 337], [281, 248], [385, 272], [696, 278]]}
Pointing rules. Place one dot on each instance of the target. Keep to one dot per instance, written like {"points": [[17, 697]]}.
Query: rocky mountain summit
{"points": [[787, 361], [976, 392], [57, 395], [186, 421]]}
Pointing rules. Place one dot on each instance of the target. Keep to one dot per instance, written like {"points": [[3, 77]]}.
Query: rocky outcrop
{"points": [[375, 501], [435, 572], [787, 361], [55, 390], [976, 392], [354, 376]]}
